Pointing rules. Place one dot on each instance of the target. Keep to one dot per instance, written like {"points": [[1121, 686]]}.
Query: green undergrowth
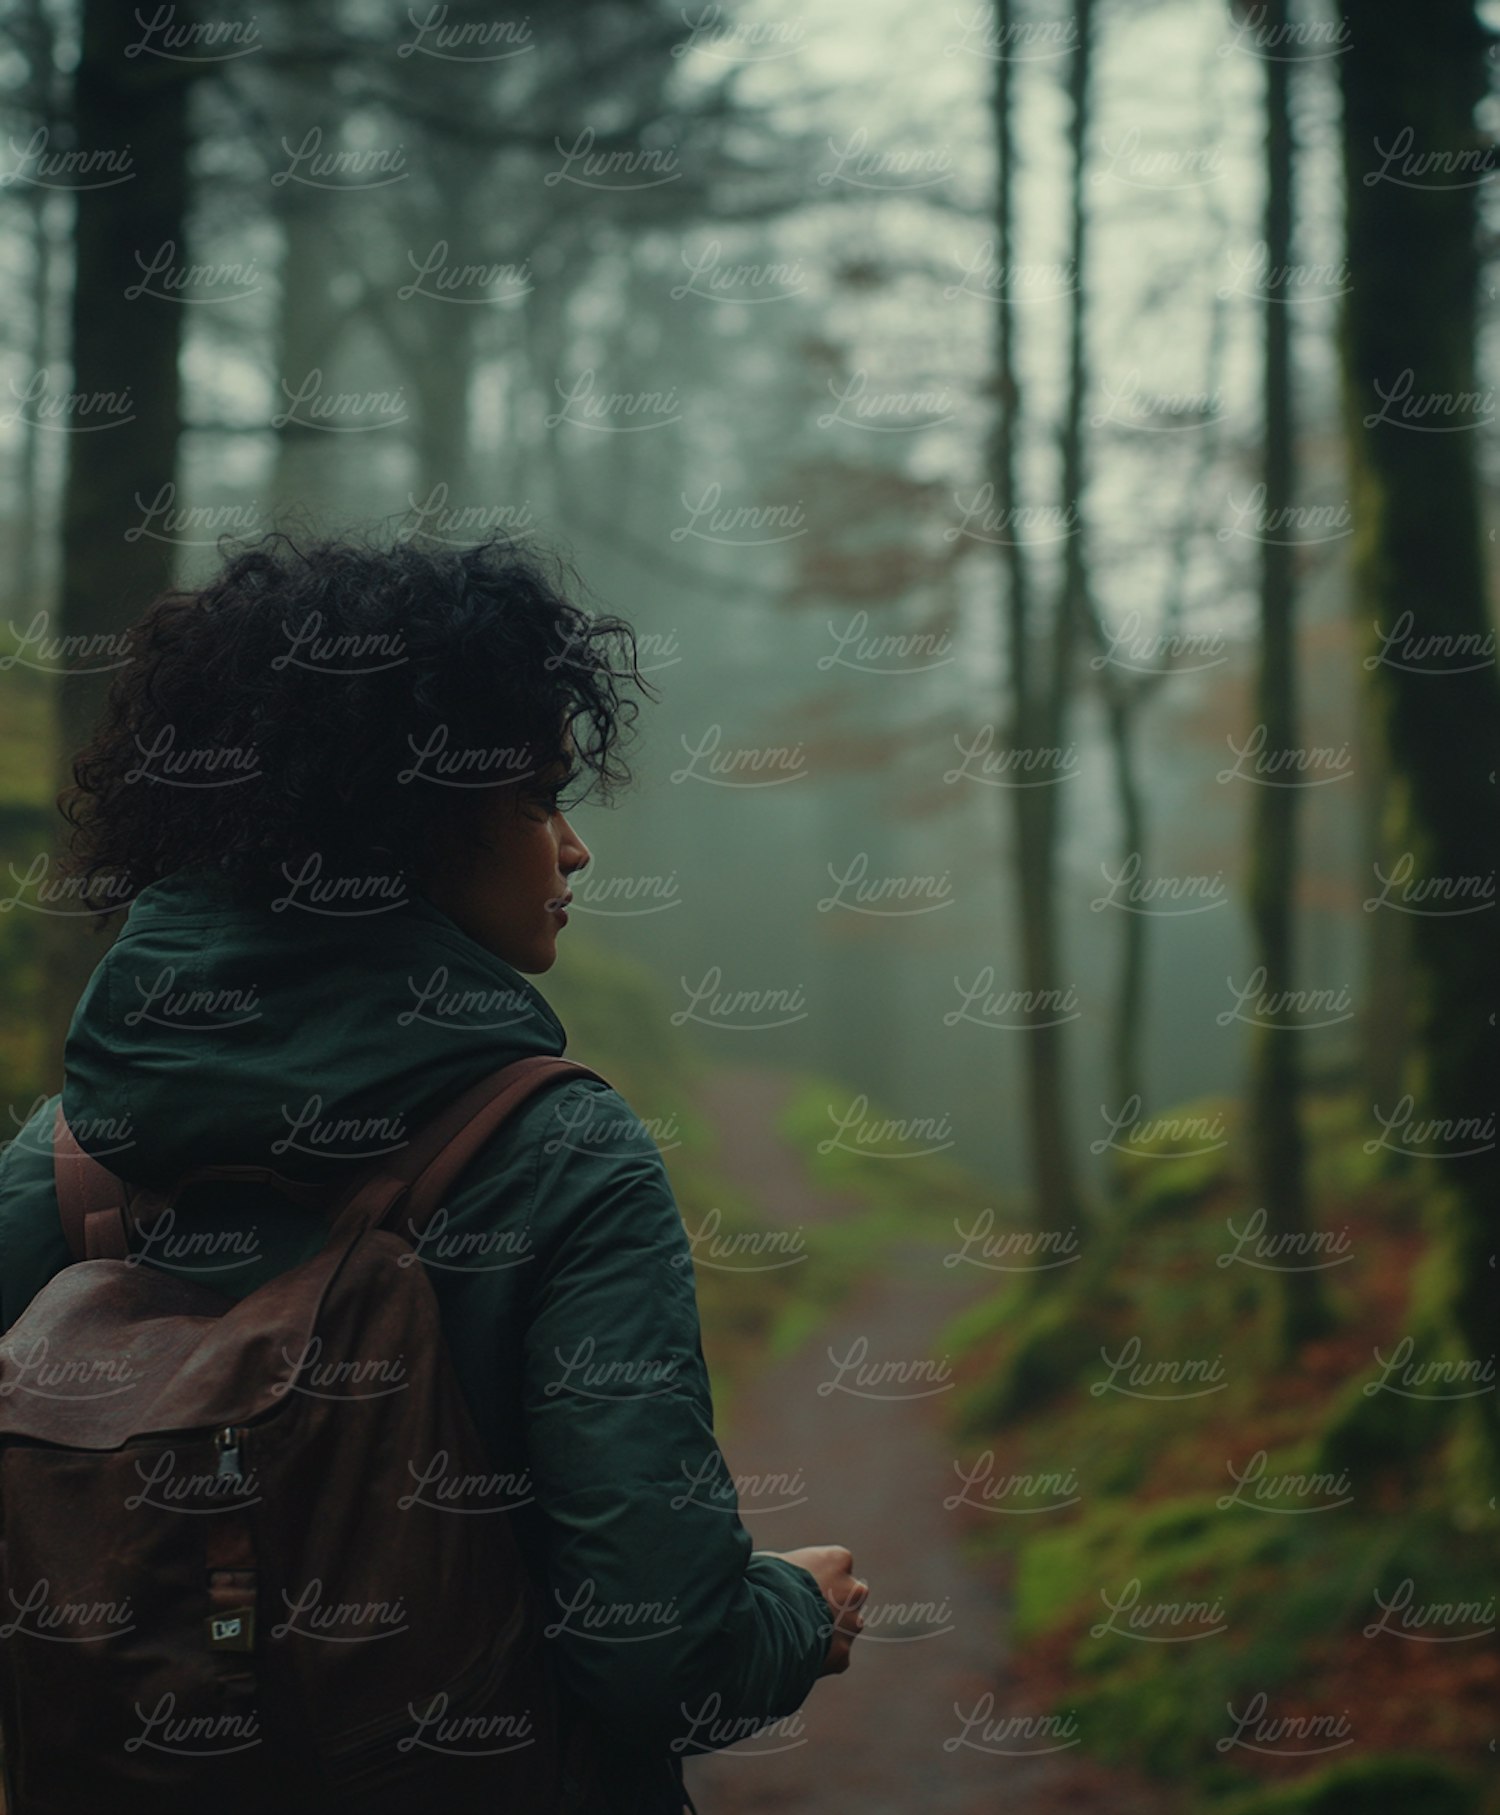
{"points": [[886, 1195], [20, 987], [27, 826], [1191, 1520], [900, 1172], [1388, 1784], [25, 731]]}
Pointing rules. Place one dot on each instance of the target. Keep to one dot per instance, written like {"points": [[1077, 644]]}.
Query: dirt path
{"points": [[855, 1454]]}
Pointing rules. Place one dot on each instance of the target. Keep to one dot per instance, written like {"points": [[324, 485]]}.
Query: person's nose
{"points": [[574, 853]]}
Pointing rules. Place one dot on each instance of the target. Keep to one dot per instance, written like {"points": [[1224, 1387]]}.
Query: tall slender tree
{"points": [[1125, 698], [1037, 691], [1278, 1166]]}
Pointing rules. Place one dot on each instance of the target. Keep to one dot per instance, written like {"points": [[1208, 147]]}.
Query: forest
{"points": [[1062, 433]]}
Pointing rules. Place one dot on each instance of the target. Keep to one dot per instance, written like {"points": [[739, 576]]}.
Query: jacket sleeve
{"points": [[664, 1621]]}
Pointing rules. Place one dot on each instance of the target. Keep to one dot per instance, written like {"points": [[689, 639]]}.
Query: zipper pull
{"points": [[227, 1443]]}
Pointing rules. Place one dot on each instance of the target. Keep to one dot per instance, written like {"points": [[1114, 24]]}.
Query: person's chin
{"points": [[541, 957]]}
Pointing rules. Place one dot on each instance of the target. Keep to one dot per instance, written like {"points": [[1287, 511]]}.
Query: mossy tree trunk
{"points": [[1409, 330]]}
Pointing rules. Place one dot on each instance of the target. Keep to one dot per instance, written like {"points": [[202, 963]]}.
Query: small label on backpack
{"points": [[232, 1631]]}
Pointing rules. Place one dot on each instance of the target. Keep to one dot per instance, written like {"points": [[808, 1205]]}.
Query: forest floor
{"points": [[926, 1718]]}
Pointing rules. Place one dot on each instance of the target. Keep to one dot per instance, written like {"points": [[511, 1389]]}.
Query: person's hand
{"points": [[832, 1567]]}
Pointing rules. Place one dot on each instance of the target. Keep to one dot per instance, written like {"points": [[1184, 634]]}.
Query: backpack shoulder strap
{"points": [[93, 1202], [423, 1170], [90, 1199]]}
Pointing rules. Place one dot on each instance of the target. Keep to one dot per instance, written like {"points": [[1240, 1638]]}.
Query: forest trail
{"points": [[868, 1469]]}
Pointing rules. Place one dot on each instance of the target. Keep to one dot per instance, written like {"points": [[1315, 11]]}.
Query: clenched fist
{"points": [[832, 1566]]}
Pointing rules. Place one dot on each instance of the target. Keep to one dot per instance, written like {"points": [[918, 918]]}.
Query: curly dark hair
{"points": [[329, 674]]}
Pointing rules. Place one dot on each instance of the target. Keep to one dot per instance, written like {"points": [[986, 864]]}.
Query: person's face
{"points": [[506, 896]]}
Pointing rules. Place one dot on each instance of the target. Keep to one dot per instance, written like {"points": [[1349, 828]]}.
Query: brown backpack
{"points": [[220, 1592]]}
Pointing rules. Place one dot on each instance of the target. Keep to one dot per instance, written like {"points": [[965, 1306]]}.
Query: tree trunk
{"points": [[1410, 329], [1126, 1082], [106, 579], [1125, 699], [441, 338], [303, 488], [26, 587], [1033, 723], [1278, 1174], [1073, 593], [1385, 995]]}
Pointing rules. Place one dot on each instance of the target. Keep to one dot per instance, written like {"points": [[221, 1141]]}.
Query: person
{"points": [[329, 783]]}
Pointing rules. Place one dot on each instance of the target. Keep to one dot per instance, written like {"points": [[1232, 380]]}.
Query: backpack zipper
{"points": [[229, 1442]]}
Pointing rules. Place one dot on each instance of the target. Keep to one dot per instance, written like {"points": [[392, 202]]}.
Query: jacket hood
{"points": [[307, 1037]]}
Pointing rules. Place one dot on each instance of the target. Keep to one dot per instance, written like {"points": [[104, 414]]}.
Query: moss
{"points": [[1392, 1784], [1372, 1429], [1346, 1157], [1171, 1186], [1053, 1348], [1155, 1503]]}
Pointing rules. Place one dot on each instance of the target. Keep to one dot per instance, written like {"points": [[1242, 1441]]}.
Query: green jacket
{"points": [[218, 1030]]}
